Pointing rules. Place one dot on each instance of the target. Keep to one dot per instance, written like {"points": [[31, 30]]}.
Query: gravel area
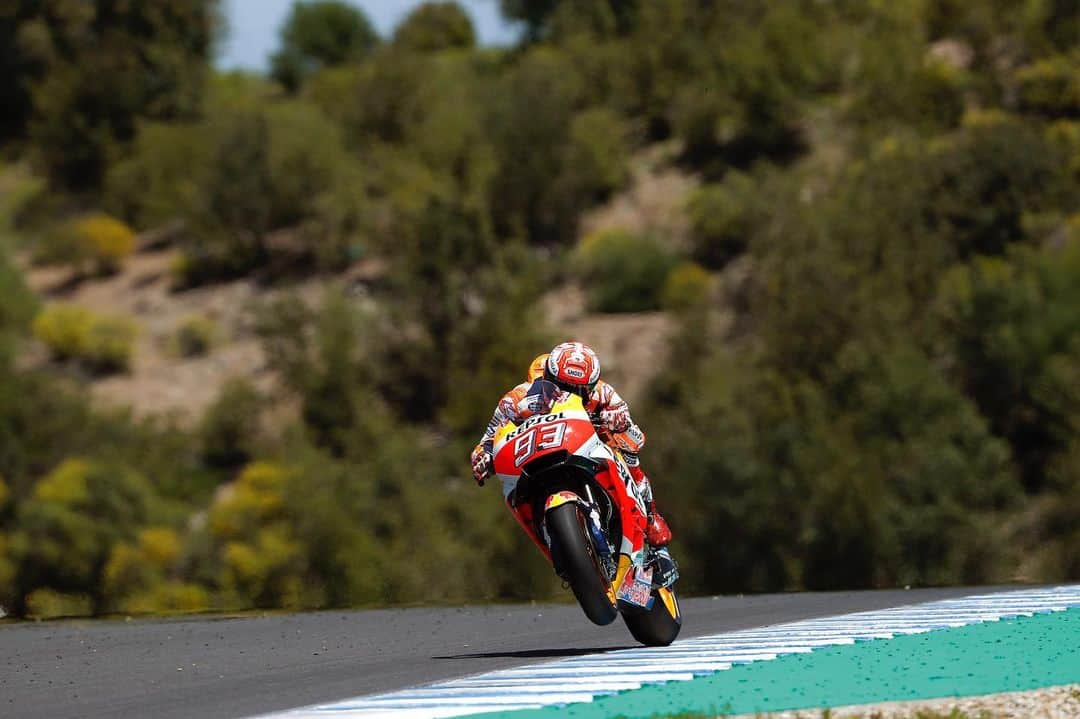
{"points": [[1062, 702]]}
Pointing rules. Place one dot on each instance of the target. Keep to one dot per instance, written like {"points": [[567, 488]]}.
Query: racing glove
{"points": [[616, 420], [482, 464]]}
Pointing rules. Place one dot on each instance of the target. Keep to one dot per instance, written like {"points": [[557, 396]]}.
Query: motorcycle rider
{"points": [[575, 367]]}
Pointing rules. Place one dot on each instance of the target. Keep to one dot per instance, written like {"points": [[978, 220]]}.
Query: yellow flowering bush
{"points": [[101, 343], [104, 241]]}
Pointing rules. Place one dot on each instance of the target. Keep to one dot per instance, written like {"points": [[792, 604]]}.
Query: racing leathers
{"points": [[611, 417]]}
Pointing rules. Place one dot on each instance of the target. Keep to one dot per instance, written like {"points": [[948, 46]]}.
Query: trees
{"points": [[1012, 338], [319, 34], [873, 357], [17, 306], [435, 26], [534, 13], [97, 70]]}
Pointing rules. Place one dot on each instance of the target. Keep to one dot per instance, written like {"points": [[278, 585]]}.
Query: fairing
{"points": [[566, 426]]}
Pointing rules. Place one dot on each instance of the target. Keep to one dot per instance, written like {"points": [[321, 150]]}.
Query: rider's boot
{"points": [[657, 531]]}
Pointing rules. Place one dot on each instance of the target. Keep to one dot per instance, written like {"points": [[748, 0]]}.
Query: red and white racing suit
{"points": [[611, 417]]}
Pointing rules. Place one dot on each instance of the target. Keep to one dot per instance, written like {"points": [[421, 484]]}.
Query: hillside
{"points": [[160, 381], [830, 252]]}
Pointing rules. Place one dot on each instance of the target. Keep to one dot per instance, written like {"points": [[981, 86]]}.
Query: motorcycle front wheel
{"points": [[576, 556]]}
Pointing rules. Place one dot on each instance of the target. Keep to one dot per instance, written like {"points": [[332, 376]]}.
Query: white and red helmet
{"points": [[574, 367]]}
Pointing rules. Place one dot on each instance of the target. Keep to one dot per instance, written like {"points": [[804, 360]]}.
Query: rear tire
{"points": [[573, 548], [655, 627]]}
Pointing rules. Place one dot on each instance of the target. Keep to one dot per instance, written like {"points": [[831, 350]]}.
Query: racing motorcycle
{"points": [[575, 498]]}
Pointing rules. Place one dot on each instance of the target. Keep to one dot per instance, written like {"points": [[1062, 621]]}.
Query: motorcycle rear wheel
{"points": [[658, 626], [572, 546]]}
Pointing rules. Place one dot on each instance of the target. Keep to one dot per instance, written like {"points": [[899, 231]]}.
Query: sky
{"points": [[253, 26]]}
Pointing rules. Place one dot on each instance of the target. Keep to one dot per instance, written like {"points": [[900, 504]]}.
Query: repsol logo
{"points": [[533, 421]]}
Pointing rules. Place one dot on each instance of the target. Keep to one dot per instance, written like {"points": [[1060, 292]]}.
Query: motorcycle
{"points": [[575, 498]]}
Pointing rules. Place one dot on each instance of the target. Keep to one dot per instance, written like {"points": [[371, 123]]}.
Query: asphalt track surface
{"points": [[241, 666]]}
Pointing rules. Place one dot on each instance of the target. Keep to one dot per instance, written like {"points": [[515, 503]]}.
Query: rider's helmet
{"points": [[536, 368], [573, 367]]}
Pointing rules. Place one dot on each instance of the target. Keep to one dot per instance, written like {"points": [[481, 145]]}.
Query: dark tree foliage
{"points": [[318, 34], [435, 26], [534, 13], [83, 74], [229, 429], [530, 122], [17, 306], [1012, 334]]}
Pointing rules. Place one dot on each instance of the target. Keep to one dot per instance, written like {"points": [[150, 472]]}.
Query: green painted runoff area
{"points": [[1008, 655]]}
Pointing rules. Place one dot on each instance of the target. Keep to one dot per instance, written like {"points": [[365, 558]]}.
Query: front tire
{"points": [[574, 552]]}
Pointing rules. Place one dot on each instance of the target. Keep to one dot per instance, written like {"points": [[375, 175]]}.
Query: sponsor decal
{"points": [[533, 421], [636, 588], [560, 498]]}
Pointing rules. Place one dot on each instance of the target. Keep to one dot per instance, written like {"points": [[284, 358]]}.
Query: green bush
{"points": [[50, 604], [167, 597], [160, 179], [531, 114], [724, 217], [136, 575], [68, 526], [736, 98], [316, 187], [64, 329], [1050, 87], [377, 100], [101, 343], [988, 179], [595, 164], [17, 305], [110, 343], [260, 558], [18, 188], [1064, 135], [229, 429], [8, 573], [928, 96], [897, 83], [56, 244], [250, 169], [622, 271], [686, 286], [1011, 330], [236, 207], [195, 336]]}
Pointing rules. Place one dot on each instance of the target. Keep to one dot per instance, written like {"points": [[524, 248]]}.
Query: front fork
{"points": [[591, 512]]}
